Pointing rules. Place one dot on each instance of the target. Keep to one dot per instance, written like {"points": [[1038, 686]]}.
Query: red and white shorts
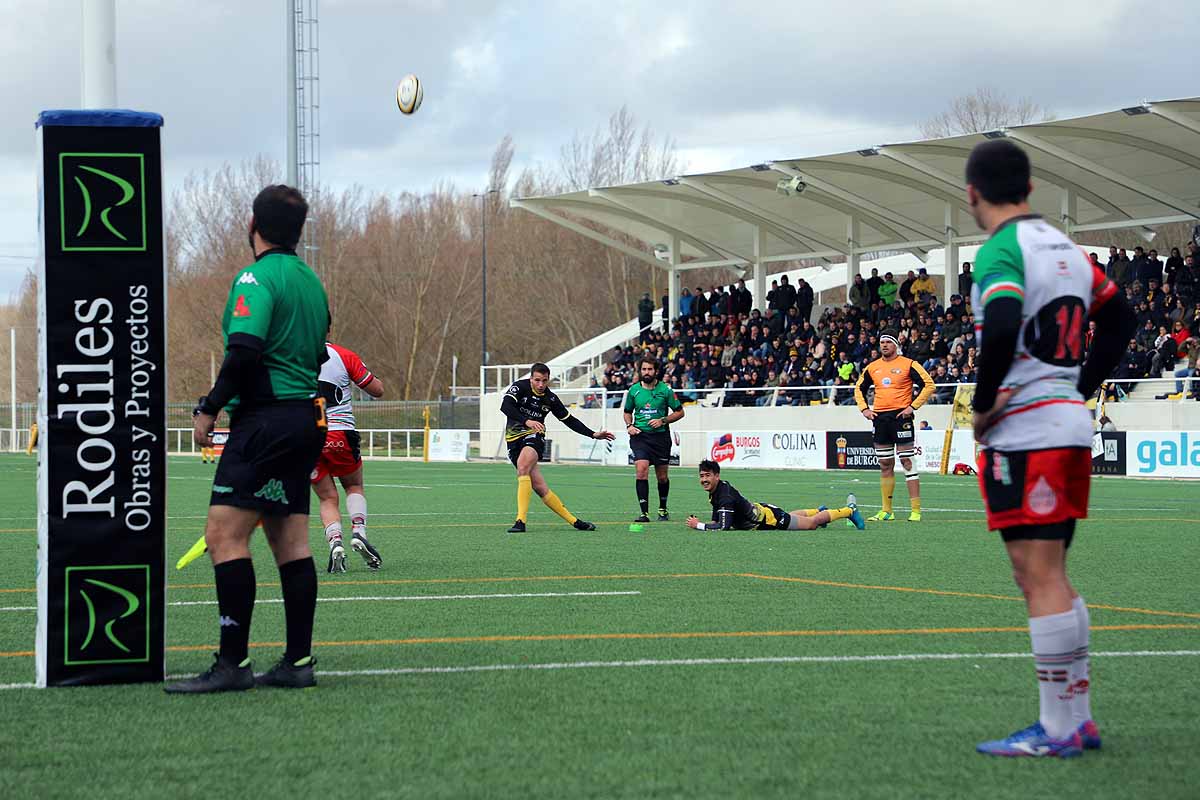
{"points": [[340, 456], [1034, 487]]}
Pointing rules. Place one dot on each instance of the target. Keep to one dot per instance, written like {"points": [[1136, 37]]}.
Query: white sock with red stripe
{"points": [[356, 504], [1081, 703], [1054, 638], [333, 533]]}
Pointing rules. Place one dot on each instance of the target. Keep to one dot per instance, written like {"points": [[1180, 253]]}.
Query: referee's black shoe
{"points": [[642, 518], [286, 675], [222, 676], [517, 527], [580, 525]]}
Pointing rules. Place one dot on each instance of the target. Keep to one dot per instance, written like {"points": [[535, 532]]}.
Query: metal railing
{"points": [[375, 442]]}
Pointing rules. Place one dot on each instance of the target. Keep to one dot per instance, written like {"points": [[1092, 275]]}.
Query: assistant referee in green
{"points": [[650, 408], [274, 326]]}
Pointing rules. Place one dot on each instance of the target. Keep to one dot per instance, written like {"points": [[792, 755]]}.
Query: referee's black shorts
{"points": [[893, 429], [652, 447], [269, 458]]}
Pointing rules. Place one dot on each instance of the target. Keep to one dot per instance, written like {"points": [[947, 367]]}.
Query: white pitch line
{"points": [[699, 662], [394, 598]]}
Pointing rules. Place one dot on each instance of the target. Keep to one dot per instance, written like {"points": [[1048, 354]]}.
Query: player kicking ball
{"points": [[732, 512], [525, 405], [341, 457]]}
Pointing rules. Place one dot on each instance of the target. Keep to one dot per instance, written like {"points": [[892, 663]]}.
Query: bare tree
{"points": [[985, 109]]}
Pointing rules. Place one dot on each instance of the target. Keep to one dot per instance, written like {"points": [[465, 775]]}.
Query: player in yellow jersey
{"points": [[894, 378]]}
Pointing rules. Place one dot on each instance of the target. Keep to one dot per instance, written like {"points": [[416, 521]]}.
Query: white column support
{"points": [[12, 386], [98, 59], [853, 259], [950, 271], [1104, 172], [760, 270], [1069, 210], [673, 281]]}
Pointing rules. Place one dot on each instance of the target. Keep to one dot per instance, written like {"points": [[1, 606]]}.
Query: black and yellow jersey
{"points": [[893, 381], [732, 511], [522, 404]]}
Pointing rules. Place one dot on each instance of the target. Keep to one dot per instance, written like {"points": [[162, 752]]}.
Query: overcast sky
{"points": [[733, 83]]}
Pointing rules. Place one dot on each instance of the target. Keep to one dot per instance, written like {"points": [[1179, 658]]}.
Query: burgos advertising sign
{"points": [[1164, 454], [772, 449]]}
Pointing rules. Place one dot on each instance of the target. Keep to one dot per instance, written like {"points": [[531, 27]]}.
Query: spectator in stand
{"points": [[773, 297], [923, 287], [942, 395], [645, 311], [700, 304], [1146, 335], [787, 294], [887, 292], [1174, 264], [873, 284], [1152, 269], [858, 294], [745, 300], [965, 280], [804, 299], [1119, 268], [1187, 280], [1138, 265], [906, 292]]}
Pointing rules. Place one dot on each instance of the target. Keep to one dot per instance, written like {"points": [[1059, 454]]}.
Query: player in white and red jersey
{"points": [[341, 458], [1035, 292]]}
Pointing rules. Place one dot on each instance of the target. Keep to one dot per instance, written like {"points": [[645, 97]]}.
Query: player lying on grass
{"points": [[732, 512]]}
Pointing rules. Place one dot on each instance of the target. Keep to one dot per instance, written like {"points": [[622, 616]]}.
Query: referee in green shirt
{"points": [[650, 408], [274, 327]]}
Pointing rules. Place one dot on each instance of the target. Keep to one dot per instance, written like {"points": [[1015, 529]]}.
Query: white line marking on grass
{"points": [[697, 662], [707, 662], [393, 598]]}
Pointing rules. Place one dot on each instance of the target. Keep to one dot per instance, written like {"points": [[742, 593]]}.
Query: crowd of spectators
{"points": [[783, 357], [1166, 298], [720, 342]]}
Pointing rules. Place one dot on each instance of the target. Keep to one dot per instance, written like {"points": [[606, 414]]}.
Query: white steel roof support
{"points": [[583, 230], [810, 236], [859, 202], [1172, 115], [897, 154], [1102, 171], [616, 200], [950, 258]]}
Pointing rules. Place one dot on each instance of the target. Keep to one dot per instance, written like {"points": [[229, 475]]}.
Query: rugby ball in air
{"points": [[409, 94]]}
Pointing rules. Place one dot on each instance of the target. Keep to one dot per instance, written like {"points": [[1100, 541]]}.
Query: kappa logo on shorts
{"points": [[272, 490], [219, 489]]}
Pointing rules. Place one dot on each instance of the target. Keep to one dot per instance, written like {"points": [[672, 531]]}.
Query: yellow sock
{"points": [[886, 487], [554, 504], [524, 492], [839, 513], [916, 504], [810, 512]]}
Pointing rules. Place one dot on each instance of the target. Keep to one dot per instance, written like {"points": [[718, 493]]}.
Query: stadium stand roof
{"points": [[1128, 168]]}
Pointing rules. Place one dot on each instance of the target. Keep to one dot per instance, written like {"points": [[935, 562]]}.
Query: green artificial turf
{"points": [[568, 695]]}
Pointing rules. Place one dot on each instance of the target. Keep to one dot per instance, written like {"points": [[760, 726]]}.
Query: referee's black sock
{"points": [[664, 487], [235, 604], [299, 582], [643, 493]]}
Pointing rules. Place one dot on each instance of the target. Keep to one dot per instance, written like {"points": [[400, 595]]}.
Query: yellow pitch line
{"points": [[581, 637], [513, 579], [947, 593]]}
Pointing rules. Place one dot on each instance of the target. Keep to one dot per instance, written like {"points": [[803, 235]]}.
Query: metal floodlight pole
{"points": [[293, 171], [12, 385], [483, 294]]}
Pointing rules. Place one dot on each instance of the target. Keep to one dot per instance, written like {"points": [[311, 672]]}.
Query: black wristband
{"points": [[204, 407]]}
